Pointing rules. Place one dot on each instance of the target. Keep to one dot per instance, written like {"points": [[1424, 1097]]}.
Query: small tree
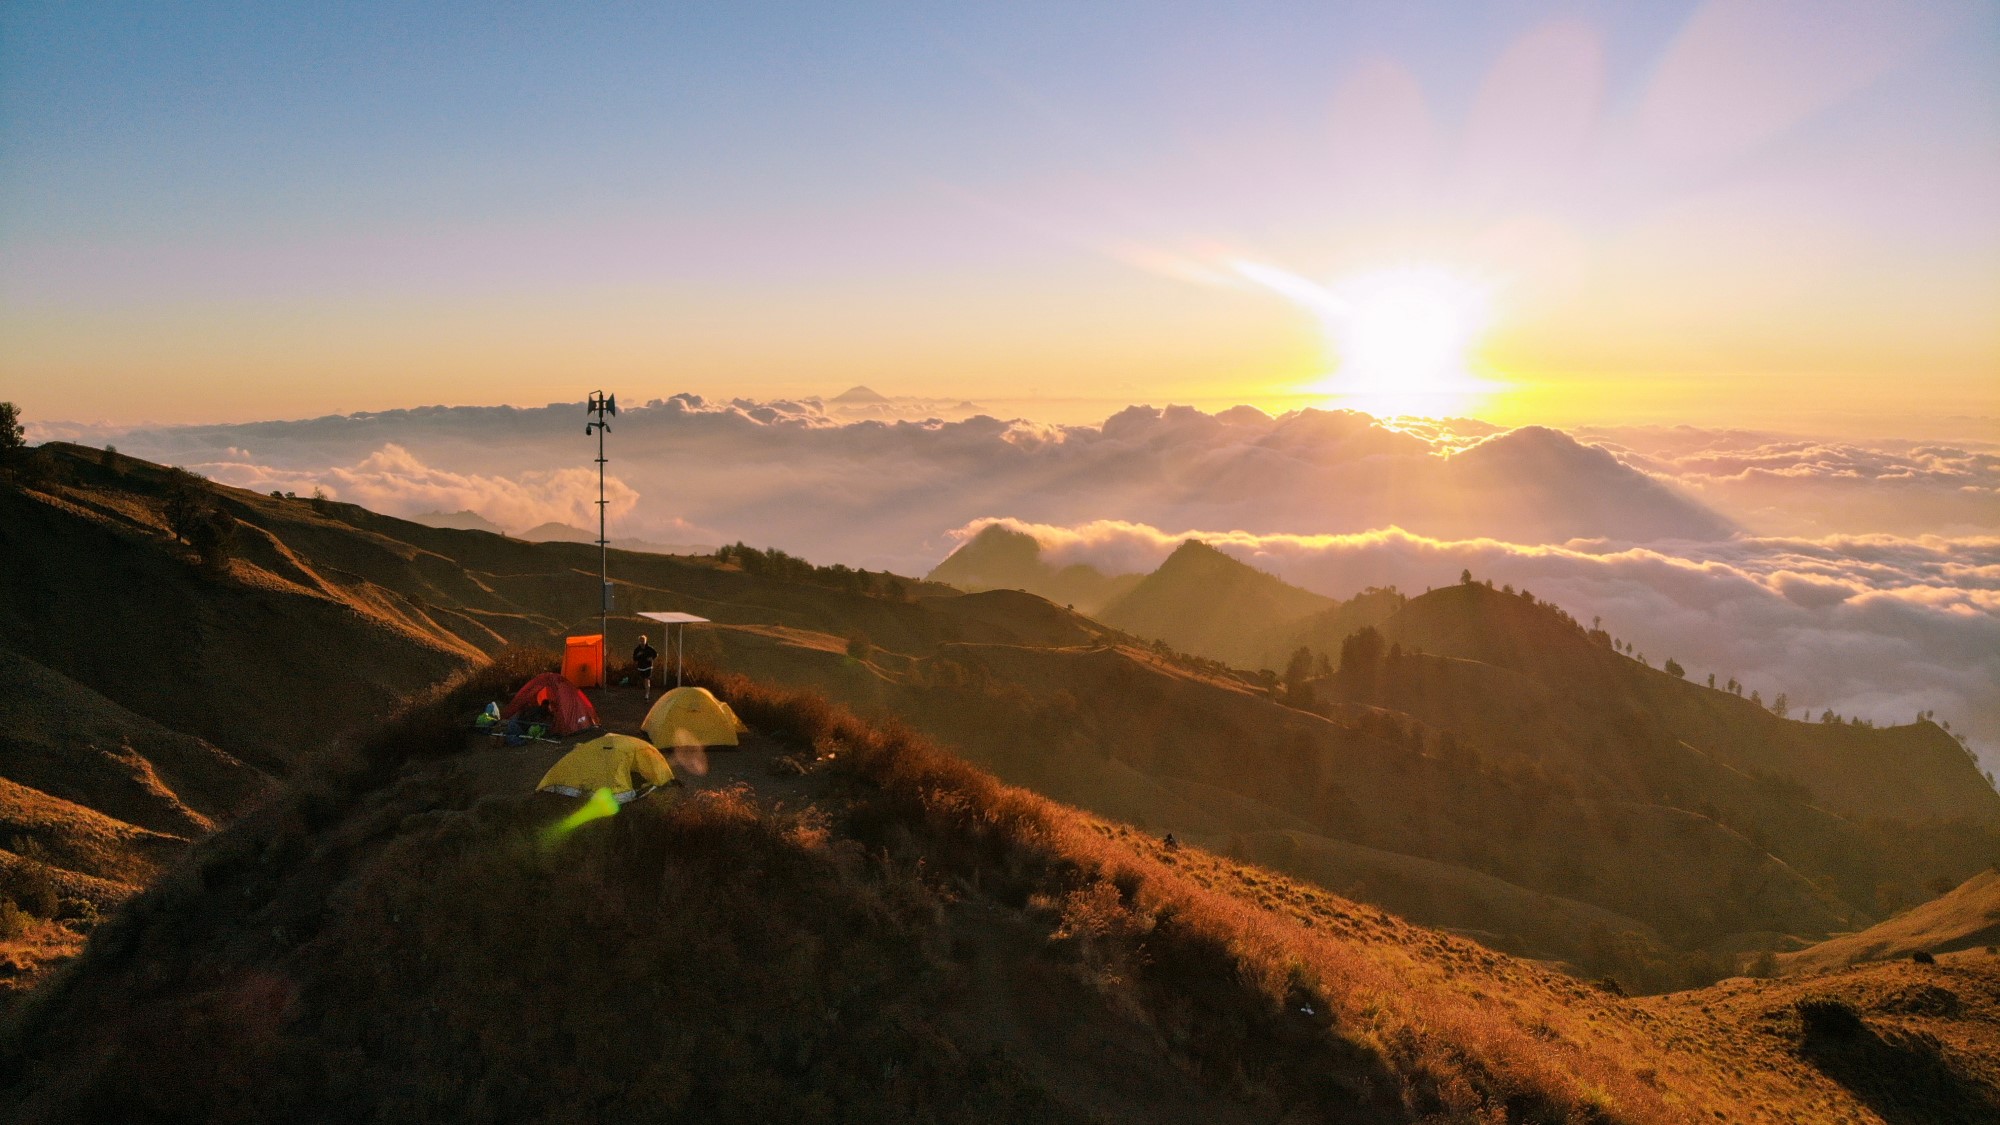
{"points": [[1781, 706], [111, 460], [185, 503], [1711, 679], [1298, 677], [1465, 577], [214, 539], [13, 438], [1673, 668]]}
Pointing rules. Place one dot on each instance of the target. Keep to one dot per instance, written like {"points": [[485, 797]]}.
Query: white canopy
{"points": [[675, 618], [670, 620]]}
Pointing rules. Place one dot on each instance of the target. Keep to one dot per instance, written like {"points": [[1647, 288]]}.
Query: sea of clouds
{"points": [[1863, 577]]}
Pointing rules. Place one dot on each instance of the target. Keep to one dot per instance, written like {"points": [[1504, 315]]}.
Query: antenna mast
{"points": [[602, 406]]}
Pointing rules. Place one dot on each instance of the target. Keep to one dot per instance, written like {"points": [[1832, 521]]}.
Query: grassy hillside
{"points": [[1363, 801], [404, 937], [97, 591], [1916, 771], [1513, 780], [1966, 917], [1202, 601]]}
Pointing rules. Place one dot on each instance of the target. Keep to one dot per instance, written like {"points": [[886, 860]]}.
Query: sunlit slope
{"points": [[1601, 696], [1484, 822], [403, 938], [94, 799], [1514, 779], [1123, 732], [1897, 1043], [1966, 917], [75, 745]]}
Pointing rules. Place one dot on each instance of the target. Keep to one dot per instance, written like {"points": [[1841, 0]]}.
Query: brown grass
{"points": [[1225, 975], [394, 941]]}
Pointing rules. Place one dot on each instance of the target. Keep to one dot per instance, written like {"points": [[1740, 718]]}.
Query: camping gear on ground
{"points": [[514, 732], [486, 719], [611, 761], [569, 709], [583, 661], [690, 716], [679, 650]]}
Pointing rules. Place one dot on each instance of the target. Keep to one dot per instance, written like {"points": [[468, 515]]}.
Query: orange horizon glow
{"points": [[1697, 213]]}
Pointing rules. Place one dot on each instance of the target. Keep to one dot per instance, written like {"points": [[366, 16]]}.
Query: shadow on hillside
{"points": [[1903, 1076]]}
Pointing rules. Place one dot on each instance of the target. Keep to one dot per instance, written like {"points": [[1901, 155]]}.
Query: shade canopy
{"points": [[671, 619]]}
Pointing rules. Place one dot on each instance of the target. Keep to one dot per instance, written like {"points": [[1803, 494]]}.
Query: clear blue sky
{"points": [[208, 210]]}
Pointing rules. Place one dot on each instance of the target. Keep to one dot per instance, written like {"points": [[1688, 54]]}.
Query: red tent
{"points": [[570, 709]]}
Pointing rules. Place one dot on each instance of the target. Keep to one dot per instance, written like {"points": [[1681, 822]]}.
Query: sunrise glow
{"points": [[1397, 341]]}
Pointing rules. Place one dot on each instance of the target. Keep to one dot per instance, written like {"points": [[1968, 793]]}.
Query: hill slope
{"points": [[913, 942], [1915, 772], [1531, 787], [1202, 601], [1966, 917], [1000, 558]]}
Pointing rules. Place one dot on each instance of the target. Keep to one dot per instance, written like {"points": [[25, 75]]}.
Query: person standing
{"points": [[642, 661]]}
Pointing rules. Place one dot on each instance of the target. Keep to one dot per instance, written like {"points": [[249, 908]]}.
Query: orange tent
{"points": [[569, 709], [583, 661]]}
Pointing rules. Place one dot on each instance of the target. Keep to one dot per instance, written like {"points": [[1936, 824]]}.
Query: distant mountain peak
{"points": [[1207, 601], [465, 519], [859, 394], [555, 531]]}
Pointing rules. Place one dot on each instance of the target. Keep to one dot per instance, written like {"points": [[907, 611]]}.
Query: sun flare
{"points": [[1400, 341]]}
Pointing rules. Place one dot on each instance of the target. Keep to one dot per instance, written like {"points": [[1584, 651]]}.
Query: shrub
{"points": [[14, 922], [1828, 1017], [214, 538], [30, 887], [186, 502]]}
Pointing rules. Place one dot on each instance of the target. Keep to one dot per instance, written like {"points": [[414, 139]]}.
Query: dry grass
{"points": [[1208, 957], [393, 942]]}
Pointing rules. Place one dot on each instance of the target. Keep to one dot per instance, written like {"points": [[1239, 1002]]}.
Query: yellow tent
{"points": [[610, 761], [690, 716]]}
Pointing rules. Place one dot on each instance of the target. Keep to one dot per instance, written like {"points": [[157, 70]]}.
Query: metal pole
{"points": [[602, 406], [603, 557]]}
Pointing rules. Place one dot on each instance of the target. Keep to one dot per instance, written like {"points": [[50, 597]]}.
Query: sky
{"points": [[1718, 213]]}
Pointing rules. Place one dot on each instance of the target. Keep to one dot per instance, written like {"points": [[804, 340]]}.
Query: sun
{"points": [[1400, 341]]}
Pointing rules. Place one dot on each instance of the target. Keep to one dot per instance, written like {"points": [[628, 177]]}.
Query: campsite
{"points": [[1316, 561], [1031, 936]]}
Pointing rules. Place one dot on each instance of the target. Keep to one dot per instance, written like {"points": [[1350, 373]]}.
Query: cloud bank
{"points": [[394, 481], [881, 493], [1806, 486]]}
